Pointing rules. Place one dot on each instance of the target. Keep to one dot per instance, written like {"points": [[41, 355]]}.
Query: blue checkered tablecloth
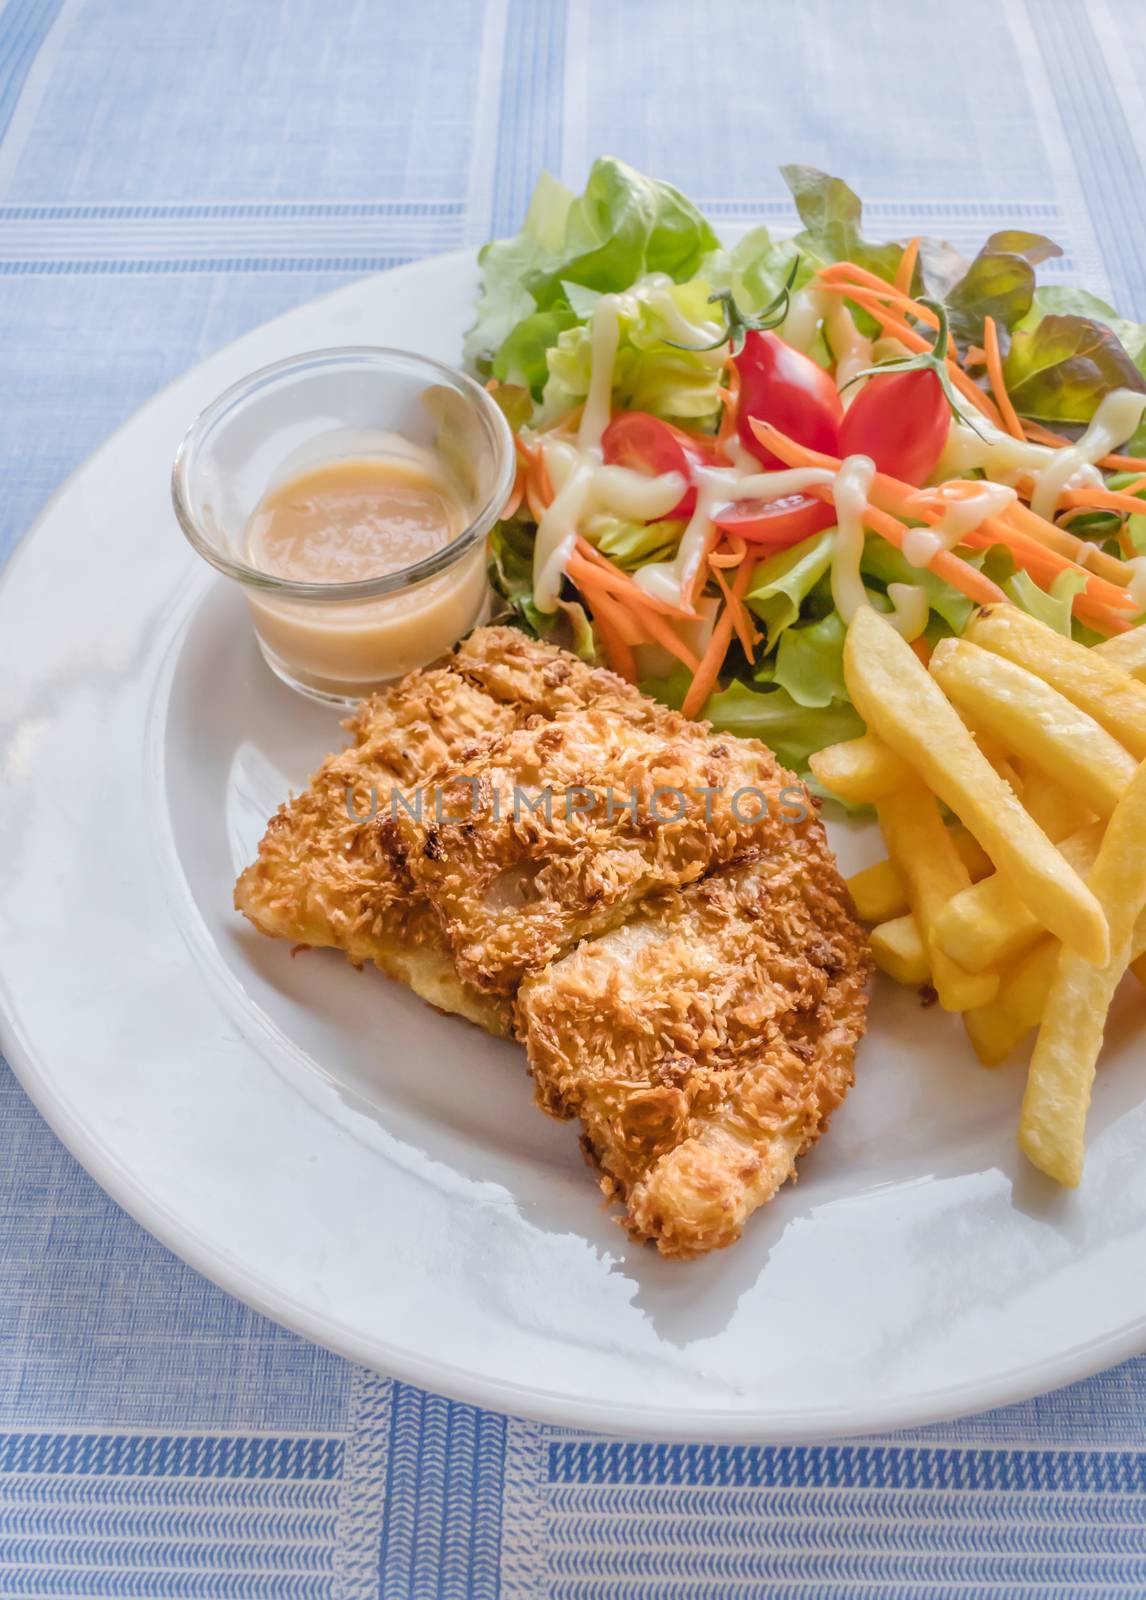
{"points": [[172, 174]]}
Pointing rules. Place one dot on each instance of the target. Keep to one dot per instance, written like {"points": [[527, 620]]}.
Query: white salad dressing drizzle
{"points": [[805, 313], [850, 492], [718, 487], [1118, 415], [960, 517], [851, 350], [582, 483], [1051, 471]]}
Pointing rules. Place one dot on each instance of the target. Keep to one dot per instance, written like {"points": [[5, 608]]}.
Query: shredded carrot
{"points": [[896, 325], [1037, 434], [995, 377], [618, 654], [733, 556], [1081, 550], [905, 501], [663, 633], [526, 452], [864, 293], [974, 356], [729, 413], [623, 586], [699, 577], [959, 574], [708, 671], [746, 631], [1104, 500], [516, 494], [922, 649], [651, 624], [537, 507], [1133, 488], [905, 271]]}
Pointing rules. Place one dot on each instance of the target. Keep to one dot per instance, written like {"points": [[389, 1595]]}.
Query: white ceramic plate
{"points": [[375, 1175]]}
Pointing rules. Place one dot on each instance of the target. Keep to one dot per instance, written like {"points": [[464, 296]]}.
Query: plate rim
{"points": [[467, 1385]]}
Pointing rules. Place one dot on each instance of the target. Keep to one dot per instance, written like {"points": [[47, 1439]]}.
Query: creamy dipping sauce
{"points": [[349, 520]]}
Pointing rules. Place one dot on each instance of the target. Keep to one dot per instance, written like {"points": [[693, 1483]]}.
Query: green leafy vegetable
{"points": [[1063, 300], [633, 544], [1052, 607], [781, 584], [1060, 369], [511, 574], [885, 564], [832, 215], [623, 227], [810, 662], [522, 358], [999, 283], [790, 730], [649, 373]]}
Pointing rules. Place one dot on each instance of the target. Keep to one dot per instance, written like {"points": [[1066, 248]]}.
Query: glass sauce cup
{"points": [[336, 642]]}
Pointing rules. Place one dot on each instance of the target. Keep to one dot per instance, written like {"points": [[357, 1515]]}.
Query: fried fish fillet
{"points": [[326, 879], [691, 989], [705, 1043], [569, 824]]}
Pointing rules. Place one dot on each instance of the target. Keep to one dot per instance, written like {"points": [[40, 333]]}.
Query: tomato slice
{"points": [[776, 523], [647, 444]]}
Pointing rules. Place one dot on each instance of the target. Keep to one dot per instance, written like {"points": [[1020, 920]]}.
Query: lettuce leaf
{"points": [[633, 544], [621, 228], [781, 584], [1063, 300], [810, 662], [884, 564], [1058, 370], [649, 373], [511, 576], [999, 283], [832, 214], [1051, 606], [791, 731]]}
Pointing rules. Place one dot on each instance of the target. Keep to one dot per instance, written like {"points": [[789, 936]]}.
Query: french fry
{"points": [[922, 849], [1126, 650], [1056, 812], [1023, 990], [993, 1032], [903, 704], [971, 852], [860, 771], [898, 950], [1090, 681], [1039, 723], [1052, 1125], [987, 925], [880, 894]]}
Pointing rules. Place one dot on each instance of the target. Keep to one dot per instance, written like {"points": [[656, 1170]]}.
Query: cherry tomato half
{"points": [[776, 523], [782, 386], [900, 420], [646, 444]]}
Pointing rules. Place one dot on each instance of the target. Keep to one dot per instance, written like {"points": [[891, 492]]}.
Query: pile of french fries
{"points": [[1029, 909]]}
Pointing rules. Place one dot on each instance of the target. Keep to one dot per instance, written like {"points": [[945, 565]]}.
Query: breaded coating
{"points": [[323, 878], [705, 1043], [688, 979], [568, 825]]}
